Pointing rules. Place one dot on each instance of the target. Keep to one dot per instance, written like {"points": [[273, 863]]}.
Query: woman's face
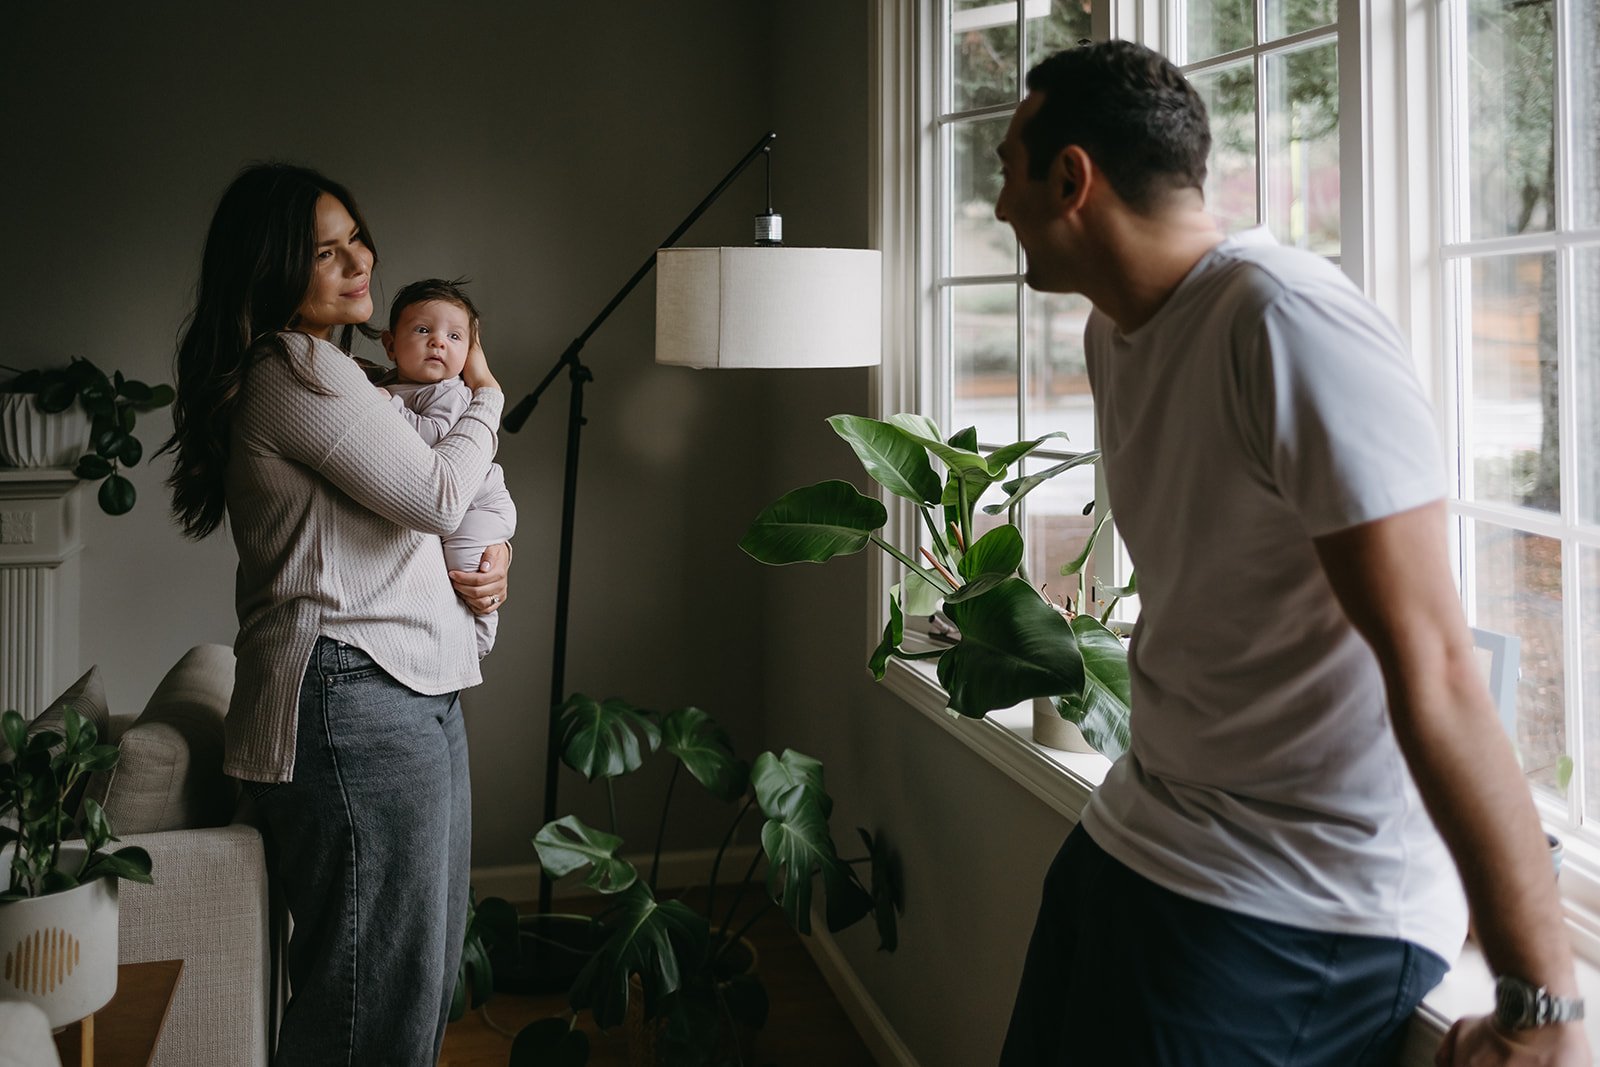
{"points": [[339, 293]]}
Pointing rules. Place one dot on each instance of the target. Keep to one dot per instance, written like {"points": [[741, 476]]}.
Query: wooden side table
{"points": [[124, 1032]]}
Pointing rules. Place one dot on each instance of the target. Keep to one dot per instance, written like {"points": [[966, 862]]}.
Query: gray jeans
{"points": [[369, 846]]}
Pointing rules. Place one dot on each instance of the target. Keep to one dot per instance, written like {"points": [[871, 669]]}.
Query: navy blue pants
{"points": [[1123, 973]]}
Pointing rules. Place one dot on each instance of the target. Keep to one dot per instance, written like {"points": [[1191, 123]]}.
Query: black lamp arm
{"points": [[519, 414]]}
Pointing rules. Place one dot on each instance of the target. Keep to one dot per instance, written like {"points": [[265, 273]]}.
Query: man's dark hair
{"points": [[1130, 109], [451, 292]]}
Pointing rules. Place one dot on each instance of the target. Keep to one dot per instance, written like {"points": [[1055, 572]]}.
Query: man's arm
{"points": [[1393, 578]]}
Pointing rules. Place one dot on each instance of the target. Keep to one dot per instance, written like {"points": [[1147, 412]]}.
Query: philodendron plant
{"points": [[682, 957], [1013, 644], [36, 785]]}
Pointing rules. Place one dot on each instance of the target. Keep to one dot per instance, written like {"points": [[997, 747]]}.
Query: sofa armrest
{"points": [[208, 906]]}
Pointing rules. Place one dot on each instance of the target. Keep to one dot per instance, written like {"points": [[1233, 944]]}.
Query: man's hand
{"points": [[485, 589], [1477, 1042]]}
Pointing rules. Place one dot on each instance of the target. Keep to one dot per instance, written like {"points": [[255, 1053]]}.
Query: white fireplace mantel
{"points": [[41, 538]]}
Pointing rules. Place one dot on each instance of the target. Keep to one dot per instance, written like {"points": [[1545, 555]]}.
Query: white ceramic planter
{"points": [[1052, 731], [59, 951], [30, 438]]}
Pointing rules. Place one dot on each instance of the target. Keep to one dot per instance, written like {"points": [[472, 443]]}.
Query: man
{"points": [[1259, 881]]}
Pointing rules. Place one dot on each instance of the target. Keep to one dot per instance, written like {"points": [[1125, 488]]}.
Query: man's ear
{"points": [[386, 338], [1072, 176]]}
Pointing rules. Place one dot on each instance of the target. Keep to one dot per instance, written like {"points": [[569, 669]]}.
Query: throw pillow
{"points": [[169, 769]]}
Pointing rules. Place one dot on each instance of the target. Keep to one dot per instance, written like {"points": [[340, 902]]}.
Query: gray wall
{"points": [[578, 134]]}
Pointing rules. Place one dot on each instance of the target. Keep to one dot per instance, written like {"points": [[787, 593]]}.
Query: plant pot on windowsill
{"points": [[1052, 730]]}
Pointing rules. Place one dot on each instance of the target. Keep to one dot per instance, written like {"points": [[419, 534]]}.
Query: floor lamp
{"points": [[763, 306]]}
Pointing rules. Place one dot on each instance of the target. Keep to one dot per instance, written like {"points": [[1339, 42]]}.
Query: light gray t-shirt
{"points": [[1266, 404]]}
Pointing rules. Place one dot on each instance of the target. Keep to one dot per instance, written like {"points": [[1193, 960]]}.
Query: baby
{"points": [[432, 327]]}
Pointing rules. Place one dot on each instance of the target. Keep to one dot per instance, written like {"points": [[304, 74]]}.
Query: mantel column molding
{"points": [[41, 539]]}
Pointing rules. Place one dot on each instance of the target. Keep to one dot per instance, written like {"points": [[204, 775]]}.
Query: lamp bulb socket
{"points": [[769, 228]]}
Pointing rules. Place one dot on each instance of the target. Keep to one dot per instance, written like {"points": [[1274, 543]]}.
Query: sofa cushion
{"points": [[169, 769], [87, 696]]}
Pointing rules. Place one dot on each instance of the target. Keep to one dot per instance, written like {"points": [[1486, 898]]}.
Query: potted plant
{"points": [[1011, 644], [41, 427], [693, 990], [58, 914]]}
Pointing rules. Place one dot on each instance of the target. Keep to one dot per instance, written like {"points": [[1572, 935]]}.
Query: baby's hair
{"points": [[451, 292]]}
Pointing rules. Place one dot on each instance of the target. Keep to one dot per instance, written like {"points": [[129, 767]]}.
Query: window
{"points": [[1006, 359], [1520, 263]]}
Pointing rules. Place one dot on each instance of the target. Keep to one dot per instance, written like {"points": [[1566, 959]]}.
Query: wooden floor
{"points": [[805, 1028]]}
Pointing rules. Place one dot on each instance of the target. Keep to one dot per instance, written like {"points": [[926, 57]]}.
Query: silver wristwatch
{"points": [[1521, 1005]]}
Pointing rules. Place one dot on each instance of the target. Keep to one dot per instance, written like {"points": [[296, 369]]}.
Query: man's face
{"points": [[430, 342], [1030, 205]]}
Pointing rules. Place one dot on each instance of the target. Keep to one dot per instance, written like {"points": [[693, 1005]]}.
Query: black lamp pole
{"points": [[580, 376]]}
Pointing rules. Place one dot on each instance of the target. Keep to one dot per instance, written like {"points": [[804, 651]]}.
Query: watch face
{"points": [[1514, 1003]]}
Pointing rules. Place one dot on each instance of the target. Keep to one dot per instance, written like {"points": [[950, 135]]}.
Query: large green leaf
{"points": [[919, 596], [798, 847], [892, 459], [993, 558], [1088, 547], [131, 863], [567, 845], [1013, 646], [117, 495], [649, 938], [893, 634], [921, 429], [1018, 488], [1005, 455], [703, 746], [1101, 708], [774, 776], [600, 739], [814, 524]]}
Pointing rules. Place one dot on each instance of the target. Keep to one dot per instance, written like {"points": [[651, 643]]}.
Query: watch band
{"points": [[1521, 1005]]}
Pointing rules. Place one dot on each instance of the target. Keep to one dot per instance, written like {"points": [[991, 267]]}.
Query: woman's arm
{"points": [[347, 434]]}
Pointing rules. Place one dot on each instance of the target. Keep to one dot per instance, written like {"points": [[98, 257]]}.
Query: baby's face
{"points": [[430, 342]]}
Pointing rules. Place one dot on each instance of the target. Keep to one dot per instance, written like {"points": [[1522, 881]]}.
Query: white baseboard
{"points": [[519, 882], [874, 1027]]}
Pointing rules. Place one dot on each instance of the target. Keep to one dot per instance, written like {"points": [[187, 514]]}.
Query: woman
{"points": [[345, 724]]}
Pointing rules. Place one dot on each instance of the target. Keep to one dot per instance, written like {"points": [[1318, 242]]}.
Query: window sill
{"points": [[1065, 780]]}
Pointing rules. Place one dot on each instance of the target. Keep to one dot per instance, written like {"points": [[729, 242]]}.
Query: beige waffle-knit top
{"points": [[336, 508]]}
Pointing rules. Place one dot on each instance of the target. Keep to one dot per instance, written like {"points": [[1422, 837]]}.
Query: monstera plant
{"points": [[683, 964], [1013, 643]]}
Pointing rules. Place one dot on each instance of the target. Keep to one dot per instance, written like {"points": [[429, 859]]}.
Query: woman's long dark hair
{"points": [[254, 276]]}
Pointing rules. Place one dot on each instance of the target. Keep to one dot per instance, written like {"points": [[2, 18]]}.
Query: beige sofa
{"points": [[209, 902]]}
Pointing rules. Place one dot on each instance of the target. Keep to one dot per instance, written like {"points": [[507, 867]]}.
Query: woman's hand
{"points": [[485, 589], [476, 371]]}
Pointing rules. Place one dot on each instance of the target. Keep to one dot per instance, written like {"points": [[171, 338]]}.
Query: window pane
{"points": [[1057, 528], [983, 53], [983, 349], [1230, 96], [1585, 80], [1285, 17], [1054, 25], [1589, 580], [1514, 432], [1518, 581], [1586, 356], [979, 242], [1302, 149], [1058, 381], [1212, 27], [1509, 114]]}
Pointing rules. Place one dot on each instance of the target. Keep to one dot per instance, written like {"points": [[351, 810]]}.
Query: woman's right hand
{"points": [[476, 371]]}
